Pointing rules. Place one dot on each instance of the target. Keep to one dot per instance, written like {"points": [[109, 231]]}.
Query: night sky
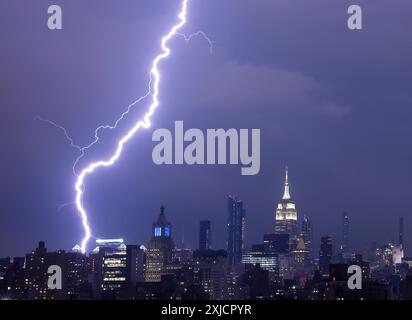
{"points": [[332, 104]]}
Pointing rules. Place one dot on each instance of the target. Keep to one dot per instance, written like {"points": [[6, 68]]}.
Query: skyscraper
{"points": [[235, 230], [307, 234], [301, 260], [286, 216], [113, 268], [160, 249], [77, 275], [259, 256], [401, 232], [345, 232], [210, 272], [325, 255], [204, 235], [135, 261]]}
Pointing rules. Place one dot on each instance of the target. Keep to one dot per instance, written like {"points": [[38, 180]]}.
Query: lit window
{"points": [[167, 231], [158, 232]]}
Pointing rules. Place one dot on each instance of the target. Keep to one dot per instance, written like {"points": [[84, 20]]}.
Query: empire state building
{"points": [[287, 216]]}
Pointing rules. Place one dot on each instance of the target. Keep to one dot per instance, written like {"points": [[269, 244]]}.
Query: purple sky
{"points": [[333, 104]]}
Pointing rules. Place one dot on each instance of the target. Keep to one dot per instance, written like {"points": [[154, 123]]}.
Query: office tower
{"points": [[401, 232], [210, 272], [78, 270], [121, 265], [307, 234], [96, 264], [301, 258], [113, 267], [286, 216], [204, 235], [104, 259], [135, 264], [325, 255], [345, 232], [235, 230], [160, 249], [276, 243], [259, 256], [279, 244]]}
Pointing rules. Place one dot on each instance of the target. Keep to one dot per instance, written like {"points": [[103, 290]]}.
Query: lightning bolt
{"points": [[145, 123], [154, 74], [153, 92]]}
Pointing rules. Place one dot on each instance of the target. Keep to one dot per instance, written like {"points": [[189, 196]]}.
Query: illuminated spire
{"points": [[286, 194]]}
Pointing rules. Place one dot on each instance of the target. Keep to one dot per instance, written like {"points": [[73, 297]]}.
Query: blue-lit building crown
{"points": [[162, 227]]}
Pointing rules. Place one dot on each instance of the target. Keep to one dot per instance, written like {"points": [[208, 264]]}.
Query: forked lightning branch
{"points": [[144, 123]]}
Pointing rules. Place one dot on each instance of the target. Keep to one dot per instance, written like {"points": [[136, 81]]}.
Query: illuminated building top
{"points": [[162, 227], [286, 209], [115, 244]]}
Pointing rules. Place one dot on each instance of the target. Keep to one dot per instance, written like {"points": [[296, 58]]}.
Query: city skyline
{"points": [[339, 238], [280, 267], [331, 103], [283, 265], [340, 245]]}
